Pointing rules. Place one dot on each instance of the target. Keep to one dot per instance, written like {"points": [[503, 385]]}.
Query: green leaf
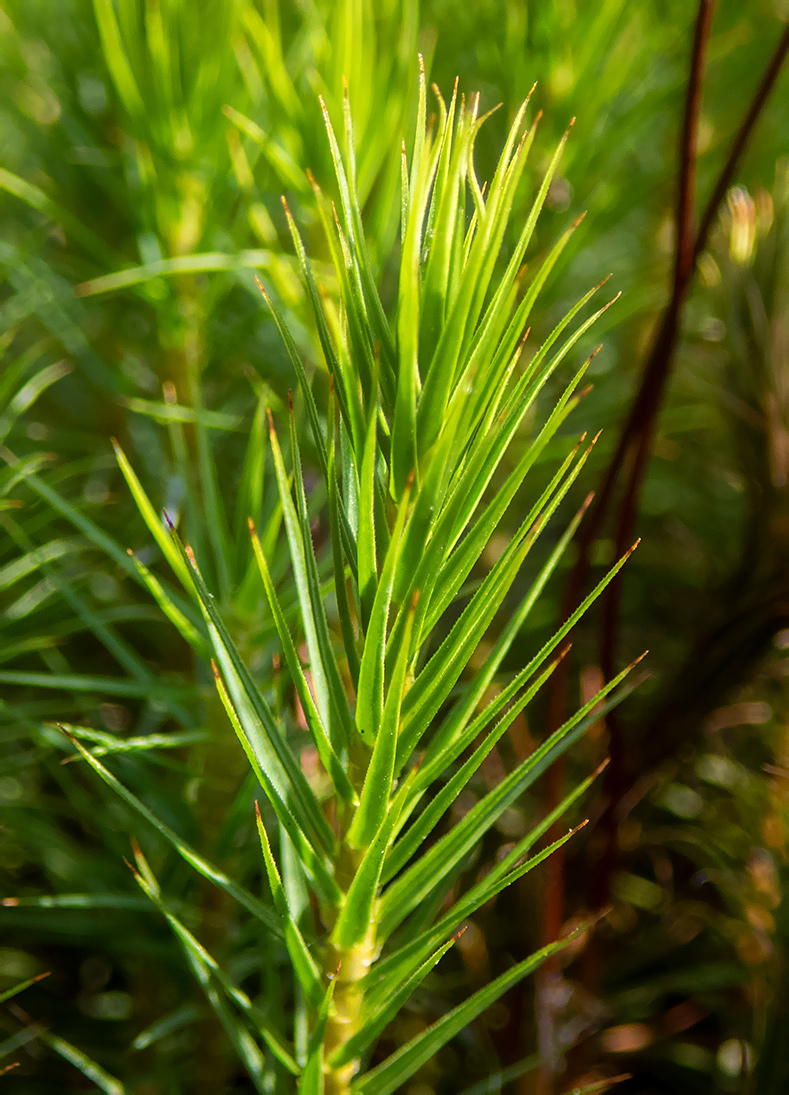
{"points": [[75, 682], [21, 987], [199, 263], [374, 802], [201, 958], [177, 1019], [370, 693], [201, 865], [304, 965], [88, 1067], [376, 1019], [329, 692], [312, 1080], [322, 653], [347, 396], [177, 618], [367, 567], [312, 860], [411, 887], [338, 556], [398, 1068], [284, 782], [155, 525], [458, 565], [389, 972], [116, 58], [315, 724], [442, 800]]}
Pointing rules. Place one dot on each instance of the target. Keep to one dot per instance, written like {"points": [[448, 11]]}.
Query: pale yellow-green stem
{"points": [[350, 965], [347, 965]]}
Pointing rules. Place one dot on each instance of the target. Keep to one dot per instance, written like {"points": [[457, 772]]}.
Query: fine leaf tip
{"points": [[271, 430], [68, 733], [261, 287], [600, 768]]}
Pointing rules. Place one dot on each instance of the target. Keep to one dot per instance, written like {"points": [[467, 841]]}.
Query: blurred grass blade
{"points": [[16, 989]]}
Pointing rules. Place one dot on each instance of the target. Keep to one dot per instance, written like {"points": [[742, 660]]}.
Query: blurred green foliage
{"points": [[145, 146]]}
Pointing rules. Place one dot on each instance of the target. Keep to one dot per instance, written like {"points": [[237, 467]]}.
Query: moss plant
{"points": [[422, 448]]}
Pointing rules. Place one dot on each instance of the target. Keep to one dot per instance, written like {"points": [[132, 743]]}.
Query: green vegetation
{"points": [[295, 748]]}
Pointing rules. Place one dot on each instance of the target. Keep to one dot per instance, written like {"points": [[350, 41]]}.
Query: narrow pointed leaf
{"points": [[319, 733], [304, 965], [312, 1079], [201, 957], [377, 787], [201, 865], [152, 520], [398, 1068], [370, 694], [376, 1020], [283, 775]]}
